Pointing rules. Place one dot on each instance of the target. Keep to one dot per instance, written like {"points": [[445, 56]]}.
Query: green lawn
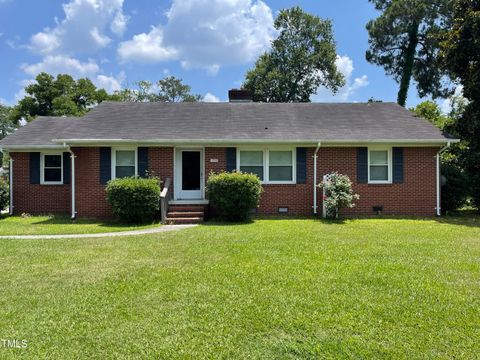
{"points": [[43, 225], [388, 288]]}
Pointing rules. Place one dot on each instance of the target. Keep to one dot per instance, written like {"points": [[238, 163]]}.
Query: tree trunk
{"points": [[408, 68]]}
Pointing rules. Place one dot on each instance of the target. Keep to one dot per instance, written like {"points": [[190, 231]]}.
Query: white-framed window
{"points": [[51, 165], [251, 161], [280, 166], [379, 165], [272, 166], [124, 162]]}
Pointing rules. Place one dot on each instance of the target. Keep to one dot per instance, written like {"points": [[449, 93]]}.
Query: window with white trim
{"points": [[379, 166], [52, 168], [271, 166], [124, 163], [280, 166], [251, 161]]}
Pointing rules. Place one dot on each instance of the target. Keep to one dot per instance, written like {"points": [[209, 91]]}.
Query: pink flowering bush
{"points": [[338, 194]]}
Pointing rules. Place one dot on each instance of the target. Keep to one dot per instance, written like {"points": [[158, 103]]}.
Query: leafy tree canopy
{"points": [[6, 124], [170, 89], [57, 96], [455, 189], [302, 58], [404, 40], [460, 57]]}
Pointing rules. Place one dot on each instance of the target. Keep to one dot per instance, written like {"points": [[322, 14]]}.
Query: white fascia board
{"points": [[93, 142], [27, 148]]}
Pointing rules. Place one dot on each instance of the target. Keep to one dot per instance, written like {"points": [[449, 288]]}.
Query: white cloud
{"points": [[209, 97], [100, 39], [205, 34], [84, 28], [110, 83], [119, 23], [62, 65], [67, 65], [146, 48], [345, 66]]}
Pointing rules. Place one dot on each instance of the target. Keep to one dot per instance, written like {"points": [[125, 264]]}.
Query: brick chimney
{"points": [[239, 95]]}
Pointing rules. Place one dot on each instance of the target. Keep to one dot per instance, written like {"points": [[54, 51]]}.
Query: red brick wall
{"points": [[36, 198], [90, 193], [90, 196], [416, 196], [219, 154], [160, 162]]}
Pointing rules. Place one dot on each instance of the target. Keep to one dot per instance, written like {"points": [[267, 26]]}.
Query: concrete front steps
{"points": [[185, 214]]}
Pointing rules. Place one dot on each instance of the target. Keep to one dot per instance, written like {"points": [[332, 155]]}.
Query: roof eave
{"points": [[251, 141]]}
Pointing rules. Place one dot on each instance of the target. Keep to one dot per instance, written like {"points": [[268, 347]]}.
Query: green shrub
{"points": [[338, 194], [234, 195], [134, 200], [4, 195], [455, 187]]}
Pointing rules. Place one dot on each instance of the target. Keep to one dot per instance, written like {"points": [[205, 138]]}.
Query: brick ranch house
{"points": [[62, 164]]}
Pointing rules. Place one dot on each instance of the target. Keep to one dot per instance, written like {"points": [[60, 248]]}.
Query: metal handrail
{"points": [[164, 198]]}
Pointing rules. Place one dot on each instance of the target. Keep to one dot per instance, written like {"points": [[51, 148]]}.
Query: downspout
{"points": [[315, 156], [10, 181], [439, 210], [10, 185], [72, 183]]}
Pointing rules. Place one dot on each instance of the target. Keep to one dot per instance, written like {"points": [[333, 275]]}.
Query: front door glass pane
{"points": [[191, 170]]}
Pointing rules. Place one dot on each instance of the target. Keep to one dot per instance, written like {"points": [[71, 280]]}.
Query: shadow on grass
{"points": [[463, 219], [470, 220], [220, 222], [65, 220]]}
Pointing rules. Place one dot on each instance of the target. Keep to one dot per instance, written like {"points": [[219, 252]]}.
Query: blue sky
{"points": [[210, 44]]}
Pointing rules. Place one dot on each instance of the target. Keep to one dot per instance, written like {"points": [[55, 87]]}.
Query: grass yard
{"points": [[50, 225], [370, 288]]}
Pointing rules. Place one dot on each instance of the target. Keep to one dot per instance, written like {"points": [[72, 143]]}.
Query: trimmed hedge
{"points": [[134, 200], [455, 188], [233, 195], [4, 195]]}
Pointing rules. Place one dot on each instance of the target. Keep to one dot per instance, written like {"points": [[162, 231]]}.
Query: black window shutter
{"points": [[231, 159], [362, 165], [142, 154], [66, 168], [105, 164], [301, 165], [34, 168], [397, 159]]}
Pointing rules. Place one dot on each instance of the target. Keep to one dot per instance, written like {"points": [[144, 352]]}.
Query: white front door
{"points": [[189, 164]]}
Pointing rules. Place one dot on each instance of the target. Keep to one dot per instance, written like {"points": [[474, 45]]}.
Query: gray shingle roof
{"points": [[230, 122]]}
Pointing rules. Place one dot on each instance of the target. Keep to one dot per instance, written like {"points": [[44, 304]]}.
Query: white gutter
{"points": [[315, 156], [33, 147], [249, 141], [438, 208], [72, 183], [10, 186]]}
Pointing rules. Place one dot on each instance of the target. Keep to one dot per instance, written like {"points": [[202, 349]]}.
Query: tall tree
{"points": [[460, 56], [170, 89], [404, 41], [6, 125], [49, 96], [454, 189], [301, 59]]}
